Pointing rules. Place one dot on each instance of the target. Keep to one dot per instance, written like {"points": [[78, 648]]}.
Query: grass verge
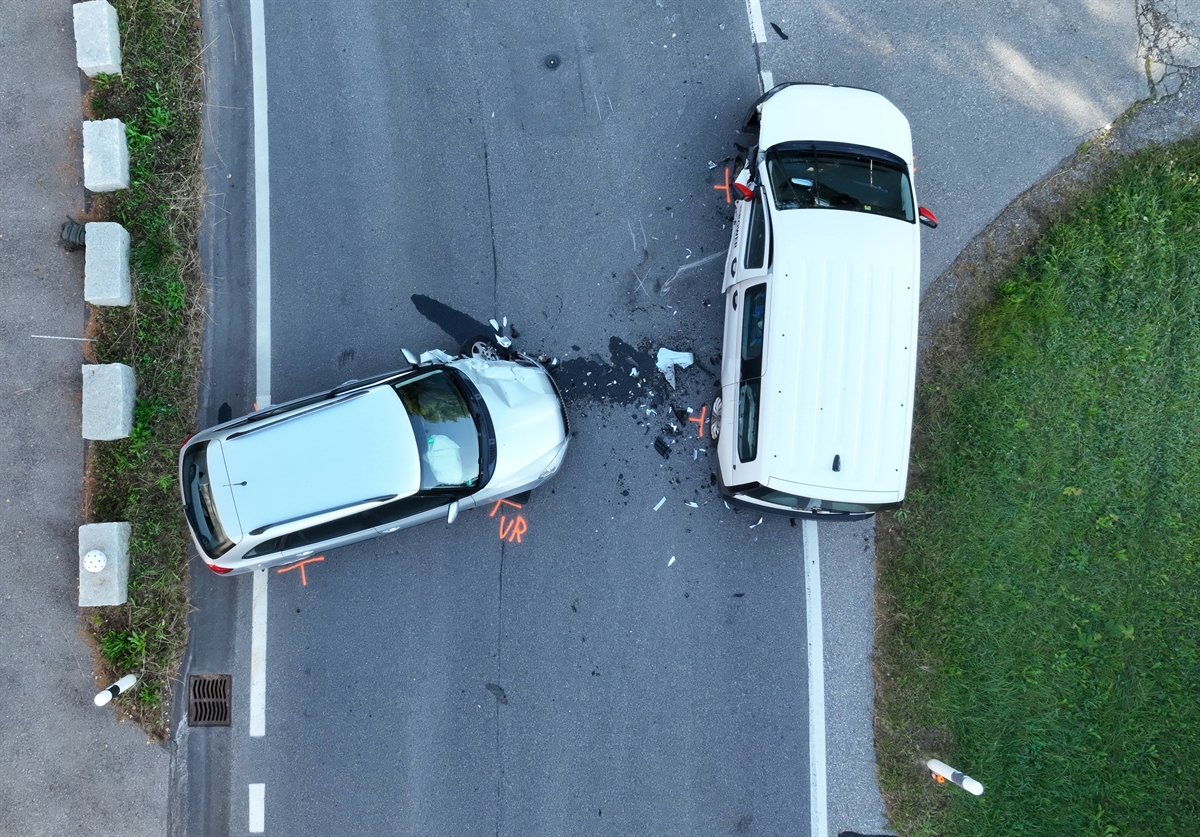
{"points": [[157, 96], [1039, 595]]}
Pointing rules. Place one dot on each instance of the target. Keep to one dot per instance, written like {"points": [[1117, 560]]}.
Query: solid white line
{"points": [[768, 80], [756, 21], [258, 808], [258, 656], [262, 210], [816, 683]]}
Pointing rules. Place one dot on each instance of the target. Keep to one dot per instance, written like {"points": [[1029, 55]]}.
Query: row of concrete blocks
{"points": [[108, 390]]}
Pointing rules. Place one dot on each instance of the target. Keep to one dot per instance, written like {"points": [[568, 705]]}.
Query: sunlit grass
{"points": [[1040, 609]]}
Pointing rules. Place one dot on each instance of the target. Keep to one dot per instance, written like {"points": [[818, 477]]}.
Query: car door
{"points": [[411, 511], [750, 243]]}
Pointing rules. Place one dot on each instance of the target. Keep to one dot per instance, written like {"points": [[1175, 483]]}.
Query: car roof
{"points": [[839, 355], [335, 456], [825, 113]]}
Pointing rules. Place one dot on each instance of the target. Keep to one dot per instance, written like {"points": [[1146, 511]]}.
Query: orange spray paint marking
{"points": [[724, 188], [496, 507], [700, 421], [514, 530], [303, 578]]}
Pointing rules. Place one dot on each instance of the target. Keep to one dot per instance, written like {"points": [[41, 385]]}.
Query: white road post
{"points": [[122, 685], [945, 771]]}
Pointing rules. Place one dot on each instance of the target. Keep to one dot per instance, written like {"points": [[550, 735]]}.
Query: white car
{"points": [[371, 457], [822, 286]]}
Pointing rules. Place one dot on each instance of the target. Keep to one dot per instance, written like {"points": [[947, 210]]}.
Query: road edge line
{"points": [[262, 210], [258, 656], [817, 791]]}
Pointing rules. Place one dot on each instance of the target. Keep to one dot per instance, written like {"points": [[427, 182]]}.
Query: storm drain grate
{"points": [[209, 698]]}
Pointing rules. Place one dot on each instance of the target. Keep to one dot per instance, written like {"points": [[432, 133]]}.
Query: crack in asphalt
{"points": [[1168, 46]]}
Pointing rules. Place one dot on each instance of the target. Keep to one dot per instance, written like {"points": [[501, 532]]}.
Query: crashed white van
{"points": [[822, 284]]}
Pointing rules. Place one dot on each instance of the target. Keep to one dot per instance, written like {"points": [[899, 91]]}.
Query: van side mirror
{"points": [[927, 218], [744, 192], [409, 356], [452, 512]]}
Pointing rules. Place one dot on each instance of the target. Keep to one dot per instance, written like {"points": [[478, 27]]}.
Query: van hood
{"points": [[823, 113]]}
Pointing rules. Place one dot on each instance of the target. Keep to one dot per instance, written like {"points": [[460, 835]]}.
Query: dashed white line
{"points": [[262, 210], [258, 808], [258, 656], [756, 21], [768, 80], [816, 684]]}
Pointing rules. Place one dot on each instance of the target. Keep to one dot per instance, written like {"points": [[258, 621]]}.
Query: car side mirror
{"points": [[745, 193], [927, 218], [409, 356], [452, 512]]}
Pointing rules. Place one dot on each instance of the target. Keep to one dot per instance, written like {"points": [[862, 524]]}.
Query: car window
{"points": [[754, 322], [756, 236], [812, 177], [446, 432]]}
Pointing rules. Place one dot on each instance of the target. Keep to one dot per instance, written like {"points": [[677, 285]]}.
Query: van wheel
{"points": [[481, 347], [714, 421]]}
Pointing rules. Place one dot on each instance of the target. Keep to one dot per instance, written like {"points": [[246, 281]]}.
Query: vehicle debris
{"points": [[760, 520], [660, 445], [669, 359], [659, 504], [691, 504]]}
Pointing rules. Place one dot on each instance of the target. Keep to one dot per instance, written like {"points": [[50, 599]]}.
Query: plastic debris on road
{"points": [[659, 504], [669, 359]]}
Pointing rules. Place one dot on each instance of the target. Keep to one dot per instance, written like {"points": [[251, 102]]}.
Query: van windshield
{"points": [[446, 430], [853, 178], [198, 503]]}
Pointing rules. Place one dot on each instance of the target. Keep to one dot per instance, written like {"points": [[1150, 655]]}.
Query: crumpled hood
{"points": [[525, 409]]}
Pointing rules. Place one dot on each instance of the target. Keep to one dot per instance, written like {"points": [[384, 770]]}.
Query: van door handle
{"points": [[735, 293]]}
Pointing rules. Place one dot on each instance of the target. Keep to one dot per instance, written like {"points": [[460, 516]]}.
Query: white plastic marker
{"points": [[258, 656], [258, 808], [944, 771], [756, 21], [262, 210], [124, 684], [816, 683]]}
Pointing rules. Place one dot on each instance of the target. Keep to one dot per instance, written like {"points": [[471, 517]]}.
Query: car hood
{"points": [[822, 113], [526, 412]]}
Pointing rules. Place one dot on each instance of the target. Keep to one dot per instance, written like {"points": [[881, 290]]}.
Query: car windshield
{"points": [[446, 431], [811, 176], [199, 507]]}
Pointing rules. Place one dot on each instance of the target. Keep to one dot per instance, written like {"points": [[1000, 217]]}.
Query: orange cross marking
{"points": [[700, 421], [514, 530], [303, 579], [724, 188], [496, 507]]}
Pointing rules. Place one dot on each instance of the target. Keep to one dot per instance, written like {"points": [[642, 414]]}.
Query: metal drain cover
{"points": [[209, 700]]}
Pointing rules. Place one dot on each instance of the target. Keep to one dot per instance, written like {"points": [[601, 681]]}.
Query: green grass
{"points": [[1040, 597], [157, 97]]}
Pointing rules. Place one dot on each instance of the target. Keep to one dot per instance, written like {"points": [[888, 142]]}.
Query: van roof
{"points": [[335, 456], [840, 355]]}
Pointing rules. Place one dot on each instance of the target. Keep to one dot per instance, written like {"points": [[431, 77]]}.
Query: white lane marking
{"points": [[262, 210], [816, 683], [258, 808], [258, 656], [756, 21], [768, 80]]}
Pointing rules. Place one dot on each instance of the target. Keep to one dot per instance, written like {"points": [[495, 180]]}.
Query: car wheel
{"points": [[481, 347], [714, 421]]}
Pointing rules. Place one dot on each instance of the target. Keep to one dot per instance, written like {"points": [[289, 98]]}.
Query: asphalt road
{"points": [[554, 165]]}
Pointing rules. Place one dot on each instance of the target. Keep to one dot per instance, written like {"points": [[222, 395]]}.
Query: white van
{"points": [[822, 285]]}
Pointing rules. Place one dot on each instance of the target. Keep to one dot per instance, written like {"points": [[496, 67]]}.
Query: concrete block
{"points": [[97, 39], [106, 264], [105, 156], [103, 564], [108, 394]]}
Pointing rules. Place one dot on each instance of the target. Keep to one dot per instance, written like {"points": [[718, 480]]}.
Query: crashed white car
{"points": [[371, 457]]}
